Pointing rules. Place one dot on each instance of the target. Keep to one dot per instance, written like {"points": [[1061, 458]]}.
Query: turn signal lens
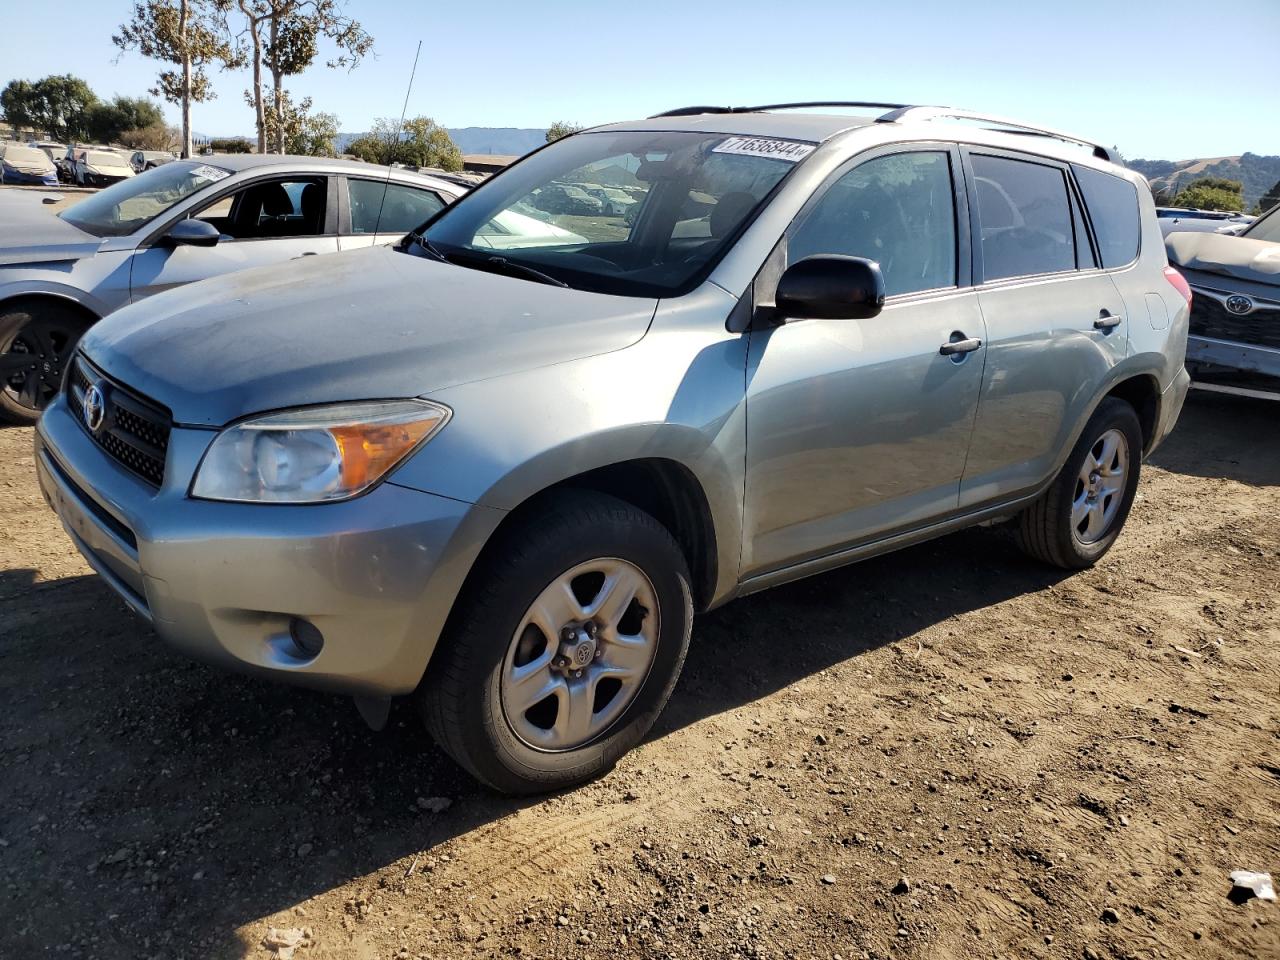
{"points": [[315, 454]]}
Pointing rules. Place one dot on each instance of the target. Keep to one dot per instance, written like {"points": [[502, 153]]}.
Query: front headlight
{"points": [[314, 454]]}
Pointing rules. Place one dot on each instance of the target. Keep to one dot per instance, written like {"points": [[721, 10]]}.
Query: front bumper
{"points": [[49, 179], [376, 575]]}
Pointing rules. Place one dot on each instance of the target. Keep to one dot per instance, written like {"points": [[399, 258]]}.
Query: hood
{"points": [[31, 234], [1240, 257], [121, 169], [364, 325], [36, 168]]}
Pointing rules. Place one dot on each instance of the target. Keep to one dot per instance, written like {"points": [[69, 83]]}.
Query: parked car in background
{"points": [[54, 151], [614, 201], [1235, 317], [1187, 219], [22, 164], [566, 198], [146, 159], [177, 223], [504, 484], [99, 167]]}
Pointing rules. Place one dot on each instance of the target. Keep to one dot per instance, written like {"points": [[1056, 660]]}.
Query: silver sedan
{"points": [[183, 221]]}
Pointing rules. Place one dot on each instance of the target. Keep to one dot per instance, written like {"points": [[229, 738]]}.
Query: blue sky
{"points": [[1168, 80]]}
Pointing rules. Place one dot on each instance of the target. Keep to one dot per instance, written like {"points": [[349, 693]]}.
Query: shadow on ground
{"points": [[1232, 438]]}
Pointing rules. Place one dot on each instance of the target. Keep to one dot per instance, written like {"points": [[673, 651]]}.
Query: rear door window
{"points": [[1025, 218], [1113, 208], [402, 208]]}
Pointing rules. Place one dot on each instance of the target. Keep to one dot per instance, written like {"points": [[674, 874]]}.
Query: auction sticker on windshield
{"points": [[787, 150], [206, 172]]}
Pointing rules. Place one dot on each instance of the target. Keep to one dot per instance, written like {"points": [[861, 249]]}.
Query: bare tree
{"points": [[283, 36], [191, 35]]}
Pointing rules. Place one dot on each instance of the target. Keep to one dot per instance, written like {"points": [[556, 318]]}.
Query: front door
{"points": [[1055, 323], [267, 222], [857, 428]]}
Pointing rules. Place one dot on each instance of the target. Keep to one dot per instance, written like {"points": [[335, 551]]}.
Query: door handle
{"points": [[309, 253], [964, 345], [1108, 321]]}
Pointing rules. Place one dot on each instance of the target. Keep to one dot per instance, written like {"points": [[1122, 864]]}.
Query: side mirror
{"points": [[193, 233], [831, 287]]}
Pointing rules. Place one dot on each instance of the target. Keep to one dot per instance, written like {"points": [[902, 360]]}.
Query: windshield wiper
{"points": [[428, 246], [503, 265]]}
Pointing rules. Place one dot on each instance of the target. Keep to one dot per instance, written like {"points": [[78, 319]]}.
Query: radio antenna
{"points": [[399, 133]]}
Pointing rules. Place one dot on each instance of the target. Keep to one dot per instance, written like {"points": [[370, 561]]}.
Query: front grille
{"points": [[134, 431], [1209, 318]]}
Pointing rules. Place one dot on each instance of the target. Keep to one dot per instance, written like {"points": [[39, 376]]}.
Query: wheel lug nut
{"points": [[577, 674]]}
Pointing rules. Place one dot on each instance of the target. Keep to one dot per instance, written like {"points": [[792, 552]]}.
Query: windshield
{"points": [[632, 213], [1266, 228], [130, 204]]}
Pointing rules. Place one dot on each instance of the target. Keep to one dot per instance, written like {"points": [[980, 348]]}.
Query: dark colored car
{"points": [[561, 198]]}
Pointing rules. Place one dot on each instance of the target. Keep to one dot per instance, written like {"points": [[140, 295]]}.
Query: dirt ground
{"points": [[948, 752]]}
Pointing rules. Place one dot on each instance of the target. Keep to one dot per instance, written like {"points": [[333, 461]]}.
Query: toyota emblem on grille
{"points": [[1239, 304], [94, 408]]}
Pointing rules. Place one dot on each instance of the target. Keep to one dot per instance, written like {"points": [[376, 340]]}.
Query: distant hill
{"points": [[502, 141], [1257, 173]]}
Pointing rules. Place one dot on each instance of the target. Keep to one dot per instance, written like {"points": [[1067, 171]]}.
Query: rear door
{"points": [[376, 211], [269, 221], [1055, 322]]}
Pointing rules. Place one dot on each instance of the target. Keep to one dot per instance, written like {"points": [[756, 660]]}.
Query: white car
{"points": [[99, 168], [510, 231]]}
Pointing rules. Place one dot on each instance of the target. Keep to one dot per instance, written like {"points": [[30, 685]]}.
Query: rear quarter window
{"points": [[1113, 208]]}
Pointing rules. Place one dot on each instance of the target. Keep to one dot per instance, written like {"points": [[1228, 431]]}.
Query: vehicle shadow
{"points": [[1223, 436], [147, 792]]}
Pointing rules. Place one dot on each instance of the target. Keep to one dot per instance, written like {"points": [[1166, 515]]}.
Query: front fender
{"points": [[675, 395]]}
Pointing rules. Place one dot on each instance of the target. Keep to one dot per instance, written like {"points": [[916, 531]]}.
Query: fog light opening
{"points": [[306, 636]]}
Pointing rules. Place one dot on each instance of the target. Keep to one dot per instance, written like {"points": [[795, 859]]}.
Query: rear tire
{"points": [[586, 547], [37, 340], [1079, 517]]}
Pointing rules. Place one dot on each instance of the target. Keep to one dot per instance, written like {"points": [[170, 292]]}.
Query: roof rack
{"points": [[904, 111], [1010, 126], [694, 111]]}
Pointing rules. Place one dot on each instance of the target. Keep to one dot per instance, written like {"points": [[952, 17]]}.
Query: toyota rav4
{"points": [[505, 481]]}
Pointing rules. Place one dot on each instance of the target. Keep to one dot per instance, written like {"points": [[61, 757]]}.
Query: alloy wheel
{"points": [[580, 655], [1100, 487]]}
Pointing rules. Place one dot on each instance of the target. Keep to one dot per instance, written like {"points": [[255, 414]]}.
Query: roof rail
{"points": [[695, 111], [1011, 126]]}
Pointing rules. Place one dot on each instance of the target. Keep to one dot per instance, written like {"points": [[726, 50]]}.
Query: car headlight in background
{"points": [[315, 454]]}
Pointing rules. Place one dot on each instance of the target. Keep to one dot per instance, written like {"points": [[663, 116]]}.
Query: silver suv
{"points": [[505, 481]]}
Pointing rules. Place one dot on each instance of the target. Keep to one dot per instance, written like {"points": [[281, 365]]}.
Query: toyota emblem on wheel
{"points": [[1239, 304], [94, 408]]}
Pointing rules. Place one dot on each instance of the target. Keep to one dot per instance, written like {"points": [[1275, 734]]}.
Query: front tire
{"points": [[1079, 517], [564, 646], [37, 341]]}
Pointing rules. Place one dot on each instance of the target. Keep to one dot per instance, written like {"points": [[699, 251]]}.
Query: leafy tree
{"points": [[156, 136], [1211, 193], [107, 121], [561, 129], [230, 145], [190, 34], [1269, 199], [420, 142], [283, 37], [302, 132], [18, 100], [57, 106]]}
